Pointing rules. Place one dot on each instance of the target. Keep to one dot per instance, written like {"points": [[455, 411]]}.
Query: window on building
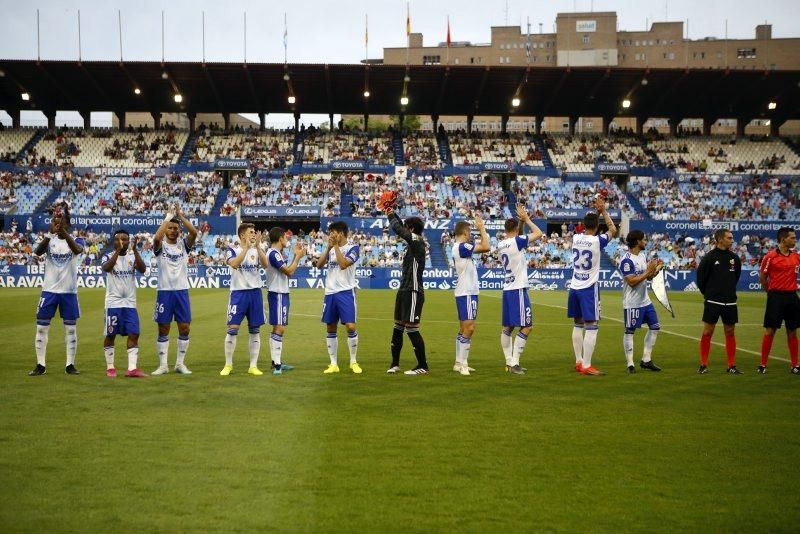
{"points": [[719, 55], [638, 56], [636, 43], [585, 39], [455, 61], [548, 58], [669, 55], [502, 46], [431, 60], [652, 43], [746, 53]]}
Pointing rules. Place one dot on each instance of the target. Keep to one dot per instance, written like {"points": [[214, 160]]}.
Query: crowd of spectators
{"points": [[705, 197], [431, 196], [306, 190], [101, 195]]}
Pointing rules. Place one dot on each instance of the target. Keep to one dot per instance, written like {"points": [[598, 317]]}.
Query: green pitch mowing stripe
{"points": [[551, 450]]}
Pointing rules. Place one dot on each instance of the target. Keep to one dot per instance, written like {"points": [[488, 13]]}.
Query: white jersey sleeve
{"points": [[277, 280], [464, 264], [634, 265]]}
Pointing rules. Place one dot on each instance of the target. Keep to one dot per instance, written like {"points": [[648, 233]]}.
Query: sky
{"points": [[331, 32]]}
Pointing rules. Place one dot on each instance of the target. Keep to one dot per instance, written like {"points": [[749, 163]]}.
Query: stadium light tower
{"points": [[404, 101], [25, 96], [366, 94], [291, 99], [626, 103], [137, 91], [772, 105], [515, 102], [178, 98]]}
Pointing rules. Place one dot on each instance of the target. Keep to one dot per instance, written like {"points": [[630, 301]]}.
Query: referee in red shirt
{"points": [[779, 271]]}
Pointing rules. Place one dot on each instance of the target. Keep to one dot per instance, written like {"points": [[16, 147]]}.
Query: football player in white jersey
{"points": [[466, 290], [245, 260], [172, 297], [516, 302], [122, 318], [278, 273], [340, 294], [636, 304], [59, 291], [583, 303]]}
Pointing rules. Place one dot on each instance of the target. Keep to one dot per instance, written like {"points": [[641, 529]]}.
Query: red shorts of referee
{"points": [[779, 271]]}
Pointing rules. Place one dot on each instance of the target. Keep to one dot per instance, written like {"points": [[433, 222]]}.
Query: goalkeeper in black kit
{"points": [[410, 296]]}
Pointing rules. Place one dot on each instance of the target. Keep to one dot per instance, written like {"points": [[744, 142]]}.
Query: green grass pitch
{"points": [[310, 452]]}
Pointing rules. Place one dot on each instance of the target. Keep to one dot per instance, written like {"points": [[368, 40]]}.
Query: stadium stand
{"points": [[150, 195], [580, 153], [134, 148], [480, 148], [541, 194], [726, 155], [12, 141], [431, 197], [25, 191], [702, 198], [270, 149], [324, 147], [307, 190], [421, 151], [685, 252]]}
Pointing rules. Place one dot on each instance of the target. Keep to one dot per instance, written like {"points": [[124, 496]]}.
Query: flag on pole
{"points": [[448, 32], [366, 30], [408, 19]]}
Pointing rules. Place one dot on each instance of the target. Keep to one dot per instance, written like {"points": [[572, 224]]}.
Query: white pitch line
{"points": [[717, 343], [678, 334]]}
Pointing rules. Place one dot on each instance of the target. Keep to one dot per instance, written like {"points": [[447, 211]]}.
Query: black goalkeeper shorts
{"points": [[408, 306]]}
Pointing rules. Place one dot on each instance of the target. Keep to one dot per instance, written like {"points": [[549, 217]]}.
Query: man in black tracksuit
{"points": [[410, 296], [717, 276]]}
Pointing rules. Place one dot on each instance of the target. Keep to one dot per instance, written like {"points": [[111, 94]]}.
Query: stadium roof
{"points": [[431, 89]]}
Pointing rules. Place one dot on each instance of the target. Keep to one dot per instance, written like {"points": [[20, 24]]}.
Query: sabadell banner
{"points": [[32, 276]]}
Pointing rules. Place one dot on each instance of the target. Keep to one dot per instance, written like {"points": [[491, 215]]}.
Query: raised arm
{"points": [[74, 246], [397, 226], [323, 258], [162, 230], [484, 245], [111, 261], [600, 204], [138, 262], [41, 248], [192, 239], [635, 279], [535, 232], [262, 256], [299, 252]]}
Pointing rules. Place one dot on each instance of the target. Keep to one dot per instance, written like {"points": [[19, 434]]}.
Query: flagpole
{"points": [[448, 39], [366, 36], [285, 39], [408, 32]]}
